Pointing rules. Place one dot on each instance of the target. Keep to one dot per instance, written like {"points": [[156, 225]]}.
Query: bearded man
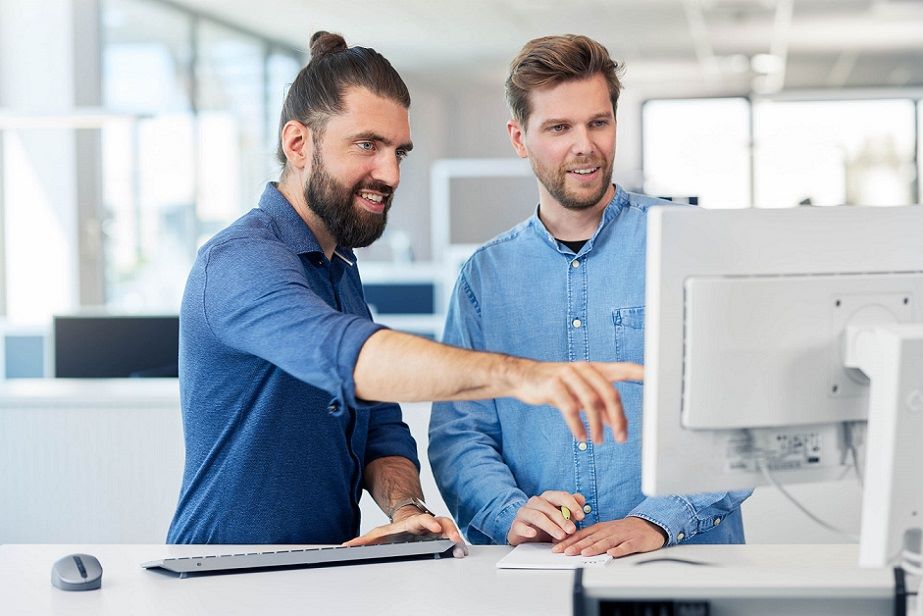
{"points": [[283, 374]]}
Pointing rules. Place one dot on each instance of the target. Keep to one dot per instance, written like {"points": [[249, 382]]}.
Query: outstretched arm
{"points": [[394, 366]]}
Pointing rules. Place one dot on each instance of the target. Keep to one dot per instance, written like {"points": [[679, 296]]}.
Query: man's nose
{"points": [[582, 145], [387, 170]]}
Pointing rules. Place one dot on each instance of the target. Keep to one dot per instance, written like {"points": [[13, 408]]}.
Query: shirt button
{"points": [[577, 323], [332, 408], [575, 263], [582, 446], [717, 521], [587, 509], [680, 536]]}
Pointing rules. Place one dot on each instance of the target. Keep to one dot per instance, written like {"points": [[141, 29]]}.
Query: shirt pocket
{"points": [[629, 334]]}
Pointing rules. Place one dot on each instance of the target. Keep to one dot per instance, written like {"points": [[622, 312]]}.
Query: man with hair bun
{"points": [[511, 474], [287, 386]]}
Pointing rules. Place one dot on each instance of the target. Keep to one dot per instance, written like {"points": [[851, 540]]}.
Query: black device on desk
{"points": [[107, 346], [397, 547]]}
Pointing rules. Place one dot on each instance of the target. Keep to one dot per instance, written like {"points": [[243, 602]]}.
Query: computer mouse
{"points": [[77, 572]]}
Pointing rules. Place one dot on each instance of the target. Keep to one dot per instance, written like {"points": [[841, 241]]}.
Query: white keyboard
{"points": [[327, 556]]}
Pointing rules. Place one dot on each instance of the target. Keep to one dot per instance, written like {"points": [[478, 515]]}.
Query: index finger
{"points": [[558, 498], [620, 371]]}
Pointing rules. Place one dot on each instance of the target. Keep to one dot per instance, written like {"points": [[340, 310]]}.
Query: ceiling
{"points": [[760, 45]]}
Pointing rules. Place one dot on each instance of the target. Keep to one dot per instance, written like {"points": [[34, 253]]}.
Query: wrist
{"points": [[407, 508], [512, 373], [657, 527]]}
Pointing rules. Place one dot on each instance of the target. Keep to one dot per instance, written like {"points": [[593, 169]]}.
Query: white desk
{"points": [[471, 586], [754, 579]]}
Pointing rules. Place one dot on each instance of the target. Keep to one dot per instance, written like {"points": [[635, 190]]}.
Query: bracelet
{"points": [[408, 502]]}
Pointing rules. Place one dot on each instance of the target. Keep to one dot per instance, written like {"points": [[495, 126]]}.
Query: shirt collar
{"points": [[612, 209], [292, 229]]}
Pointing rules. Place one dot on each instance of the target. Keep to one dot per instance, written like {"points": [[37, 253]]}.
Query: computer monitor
{"points": [[763, 328], [108, 346]]}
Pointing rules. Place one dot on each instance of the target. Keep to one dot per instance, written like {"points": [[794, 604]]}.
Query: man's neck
{"points": [[571, 224], [294, 194]]}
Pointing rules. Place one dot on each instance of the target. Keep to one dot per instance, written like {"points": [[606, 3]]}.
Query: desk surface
{"points": [[470, 586]]}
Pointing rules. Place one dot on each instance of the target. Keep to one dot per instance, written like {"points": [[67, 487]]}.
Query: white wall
{"points": [[89, 461]]}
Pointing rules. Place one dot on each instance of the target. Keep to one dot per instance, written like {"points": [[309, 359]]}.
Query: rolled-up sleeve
{"points": [[271, 312], [389, 435]]}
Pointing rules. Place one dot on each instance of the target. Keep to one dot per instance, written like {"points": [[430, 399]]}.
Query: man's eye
{"points": [[368, 146], [558, 128], [402, 154], [600, 123]]}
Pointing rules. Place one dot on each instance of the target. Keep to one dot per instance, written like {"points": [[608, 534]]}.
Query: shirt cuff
{"points": [[671, 513], [503, 521], [351, 342], [393, 439]]}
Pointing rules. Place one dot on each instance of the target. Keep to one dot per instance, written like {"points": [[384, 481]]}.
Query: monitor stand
{"points": [[891, 356]]}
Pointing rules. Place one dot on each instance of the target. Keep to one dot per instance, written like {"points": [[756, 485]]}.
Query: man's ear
{"points": [[516, 135], [297, 144]]}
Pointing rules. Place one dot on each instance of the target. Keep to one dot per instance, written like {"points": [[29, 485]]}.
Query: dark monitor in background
{"points": [[400, 297], [115, 346], [690, 199]]}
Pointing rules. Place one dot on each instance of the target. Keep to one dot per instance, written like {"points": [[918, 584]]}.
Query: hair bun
{"points": [[324, 43]]}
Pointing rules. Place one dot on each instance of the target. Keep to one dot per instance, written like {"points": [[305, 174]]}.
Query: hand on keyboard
{"points": [[416, 524]]}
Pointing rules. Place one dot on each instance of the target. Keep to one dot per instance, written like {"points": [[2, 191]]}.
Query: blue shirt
{"points": [[526, 294], [276, 441]]}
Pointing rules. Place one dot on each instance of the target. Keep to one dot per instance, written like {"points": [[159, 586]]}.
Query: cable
{"points": [[912, 563], [681, 561], [852, 446], [765, 469]]}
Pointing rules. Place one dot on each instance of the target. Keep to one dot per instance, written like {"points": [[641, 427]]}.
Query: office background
{"points": [[132, 130]]}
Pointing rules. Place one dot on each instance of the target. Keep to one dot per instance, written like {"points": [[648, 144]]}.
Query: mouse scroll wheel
{"points": [[80, 567]]}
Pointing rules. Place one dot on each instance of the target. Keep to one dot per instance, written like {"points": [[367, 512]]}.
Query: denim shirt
{"points": [[526, 294], [276, 440]]}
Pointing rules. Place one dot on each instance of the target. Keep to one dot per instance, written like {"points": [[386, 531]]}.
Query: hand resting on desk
{"points": [[631, 535]]}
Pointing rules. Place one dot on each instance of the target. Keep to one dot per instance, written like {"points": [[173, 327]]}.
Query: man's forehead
{"points": [[366, 112], [573, 99]]}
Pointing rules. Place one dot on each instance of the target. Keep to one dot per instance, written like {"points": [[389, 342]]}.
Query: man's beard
{"points": [[554, 181], [332, 202]]}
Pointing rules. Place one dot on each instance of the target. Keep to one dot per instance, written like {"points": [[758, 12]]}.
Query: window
{"points": [[194, 148], [698, 148], [856, 152], [804, 152], [182, 147], [233, 160]]}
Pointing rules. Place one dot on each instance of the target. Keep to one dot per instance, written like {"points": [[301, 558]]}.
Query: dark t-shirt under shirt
{"points": [[574, 245]]}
